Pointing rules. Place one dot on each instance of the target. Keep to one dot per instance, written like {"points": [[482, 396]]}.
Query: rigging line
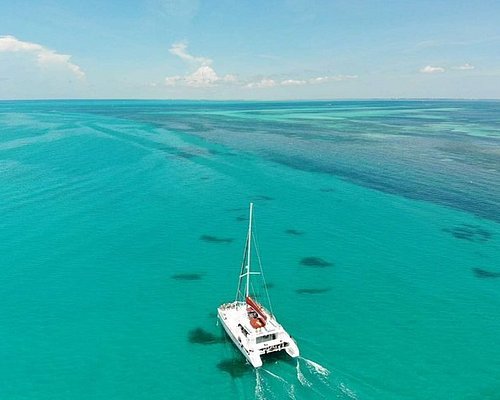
{"points": [[243, 262], [262, 271]]}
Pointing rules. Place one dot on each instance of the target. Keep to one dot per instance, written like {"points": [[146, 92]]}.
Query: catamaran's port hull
{"points": [[253, 359]]}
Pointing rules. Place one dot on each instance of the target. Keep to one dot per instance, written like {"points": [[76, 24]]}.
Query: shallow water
{"points": [[123, 225]]}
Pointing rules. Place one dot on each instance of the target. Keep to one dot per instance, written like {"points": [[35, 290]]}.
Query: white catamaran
{"points": [[253, 329]]}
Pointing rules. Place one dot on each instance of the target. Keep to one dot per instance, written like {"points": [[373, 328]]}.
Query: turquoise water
{"points": [[105, 273]]}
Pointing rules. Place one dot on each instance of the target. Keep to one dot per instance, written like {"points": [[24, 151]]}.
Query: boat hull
{"points": [[254, 343], [253, 359]]}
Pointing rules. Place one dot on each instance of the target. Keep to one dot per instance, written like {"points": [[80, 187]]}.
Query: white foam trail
{"points": [[316, 368], [289, 387], [348, 392], [300, 376], [259, 387], [276, 376]]}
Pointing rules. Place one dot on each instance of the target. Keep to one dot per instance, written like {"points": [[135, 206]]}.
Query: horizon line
{"points": [[261, 100]]}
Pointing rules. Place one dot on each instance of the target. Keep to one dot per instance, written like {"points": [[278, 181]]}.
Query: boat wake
{"points": [[311, 376], [290, 388], [260, 387], [323, 374], [300, 376], [316, 369], [348, 392]]}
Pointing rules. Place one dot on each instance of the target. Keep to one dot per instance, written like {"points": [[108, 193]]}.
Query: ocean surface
{"points": [[122, 227]]}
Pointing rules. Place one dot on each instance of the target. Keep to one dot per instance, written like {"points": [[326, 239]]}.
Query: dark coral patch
{"points": [[214, 239], [269, 285], [187, 277], [472, 233], [327, 190], [482, 273], [185, 154], [241, 218], [315, 262], [294, 232], [201, 336], [313, 291], [235, 367], [263, 197]]}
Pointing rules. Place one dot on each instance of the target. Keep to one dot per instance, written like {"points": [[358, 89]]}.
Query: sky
{"points": [[253, 50]]}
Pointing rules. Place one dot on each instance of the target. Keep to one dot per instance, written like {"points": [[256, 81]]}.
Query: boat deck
{"points": [[236, 313]]}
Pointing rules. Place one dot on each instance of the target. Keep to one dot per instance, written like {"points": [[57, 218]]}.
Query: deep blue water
{"points": [[107, 270]]}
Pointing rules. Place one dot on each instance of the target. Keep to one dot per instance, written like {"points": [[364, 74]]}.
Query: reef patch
{"points": [[315, 262], [215, 239], [294, 232], [312, 290], [187, 277], [482, 273], [471, 233]]}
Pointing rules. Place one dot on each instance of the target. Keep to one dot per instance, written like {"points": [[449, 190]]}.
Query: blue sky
{"points": [[293, 49]]}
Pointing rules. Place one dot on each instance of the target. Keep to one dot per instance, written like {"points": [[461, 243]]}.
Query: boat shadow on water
{"points": [[201, 336], [238, 367], [278, 356]]}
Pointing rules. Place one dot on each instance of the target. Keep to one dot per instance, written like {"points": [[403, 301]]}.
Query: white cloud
{"points": [[464, 67], [11, 44], [429, 69], [343, 77], [293, 82], [45, 57], [334, 78], [204, 76], [180, 50], [229, 78], [319, 79], [172, 80], [263, 83]]}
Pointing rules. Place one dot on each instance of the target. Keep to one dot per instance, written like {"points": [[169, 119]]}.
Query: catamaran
{"points": [[253, 329]]}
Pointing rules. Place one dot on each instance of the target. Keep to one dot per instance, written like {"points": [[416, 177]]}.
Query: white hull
{"points": [[253, 343]]}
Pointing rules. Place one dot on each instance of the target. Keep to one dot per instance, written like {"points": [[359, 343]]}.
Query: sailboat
{"points": [[253, 329]]}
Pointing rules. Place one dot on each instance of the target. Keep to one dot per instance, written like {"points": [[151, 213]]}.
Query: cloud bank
{"points": [[45, 58], [205, 76], [429, 69], [180, 50], [464, 67]]}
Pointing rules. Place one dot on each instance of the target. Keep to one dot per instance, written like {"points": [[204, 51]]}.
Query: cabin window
{"points": [[266, 338]]}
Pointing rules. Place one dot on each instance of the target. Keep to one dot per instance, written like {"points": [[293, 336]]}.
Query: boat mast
{"points": [[249, 250]]}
